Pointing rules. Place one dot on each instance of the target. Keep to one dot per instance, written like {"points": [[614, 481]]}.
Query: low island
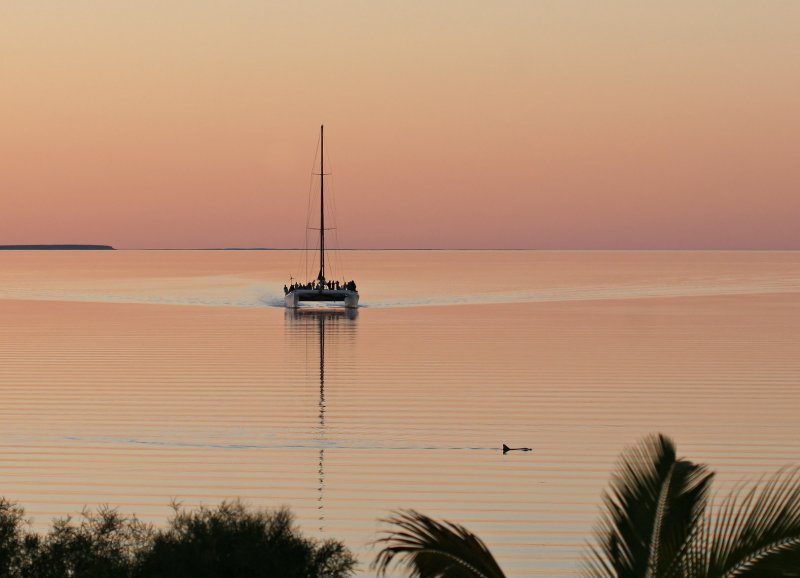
{"points": [[56, 248]]}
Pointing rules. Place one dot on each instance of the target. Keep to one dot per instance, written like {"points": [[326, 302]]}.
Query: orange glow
{"points": [[451, 124]]}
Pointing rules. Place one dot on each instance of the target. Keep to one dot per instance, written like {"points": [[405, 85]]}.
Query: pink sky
{"points": [[531, 124]]}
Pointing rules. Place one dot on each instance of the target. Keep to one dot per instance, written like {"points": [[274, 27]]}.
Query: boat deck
{"points": [[345, 296]]}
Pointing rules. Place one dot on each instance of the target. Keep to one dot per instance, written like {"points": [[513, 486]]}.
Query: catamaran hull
{"points": [[347, 298]]}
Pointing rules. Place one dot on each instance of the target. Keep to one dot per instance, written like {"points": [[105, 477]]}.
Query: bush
{"points": [[15, 540], [228, 541], [234, 542], [101, 545]]}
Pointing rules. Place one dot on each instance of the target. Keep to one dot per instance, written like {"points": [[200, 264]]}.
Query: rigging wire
{"points": [[334, 261], [308, 212]]}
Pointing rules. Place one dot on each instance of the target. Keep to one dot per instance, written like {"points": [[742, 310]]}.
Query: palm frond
{"points": [[427, 548], [755, 533], [653, 508]]}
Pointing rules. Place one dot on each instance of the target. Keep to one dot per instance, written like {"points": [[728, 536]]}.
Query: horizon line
{"points": [[744, 249], [93, 246]]}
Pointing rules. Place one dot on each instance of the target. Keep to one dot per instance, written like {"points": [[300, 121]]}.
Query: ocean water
{"points": [[133, 378]]}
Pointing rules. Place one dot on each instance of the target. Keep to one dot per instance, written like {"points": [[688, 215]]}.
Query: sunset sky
{"points": [[451, 124]]}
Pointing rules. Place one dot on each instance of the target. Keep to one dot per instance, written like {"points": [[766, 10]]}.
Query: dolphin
{"points": [[507, 449]]}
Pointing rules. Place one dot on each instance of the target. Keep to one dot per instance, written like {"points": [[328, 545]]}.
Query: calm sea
{"points": [[133, 378]]}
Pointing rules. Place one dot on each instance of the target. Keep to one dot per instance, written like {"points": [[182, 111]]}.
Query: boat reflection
{"points": [[315, 326]]}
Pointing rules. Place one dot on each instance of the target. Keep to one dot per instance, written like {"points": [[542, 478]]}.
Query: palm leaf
{"points": [[427, 548], [653, 509], [755, 533]]}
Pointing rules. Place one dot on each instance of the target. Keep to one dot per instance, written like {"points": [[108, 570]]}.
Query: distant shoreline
{"points": [[56, 248]]}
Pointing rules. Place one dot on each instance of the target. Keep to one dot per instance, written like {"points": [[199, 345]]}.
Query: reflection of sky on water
{"points": [[133, 405], [436, 278]]}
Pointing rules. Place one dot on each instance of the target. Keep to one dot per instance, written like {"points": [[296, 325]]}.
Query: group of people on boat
{"points": [[319, 285]]}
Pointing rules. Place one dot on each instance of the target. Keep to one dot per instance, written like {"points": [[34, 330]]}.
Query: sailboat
{"points": [[322, 290]]}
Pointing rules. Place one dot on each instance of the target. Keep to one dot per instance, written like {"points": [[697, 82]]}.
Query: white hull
{"points": [[344, 297]]}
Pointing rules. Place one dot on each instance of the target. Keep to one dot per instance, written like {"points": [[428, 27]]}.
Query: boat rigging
{"points": [[321, 290]]}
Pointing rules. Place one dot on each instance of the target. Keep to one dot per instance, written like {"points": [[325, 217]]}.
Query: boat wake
{"points": [[240, 292], [591, 293], [277, 445]]}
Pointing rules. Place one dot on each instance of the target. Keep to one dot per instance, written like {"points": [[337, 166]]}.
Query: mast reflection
{"points": [[337, 326]]}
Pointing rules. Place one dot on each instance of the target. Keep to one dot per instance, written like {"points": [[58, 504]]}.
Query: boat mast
{"points": [[321, 275]]}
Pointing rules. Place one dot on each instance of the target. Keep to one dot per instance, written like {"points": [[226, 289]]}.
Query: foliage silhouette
{"points": [[655, 505], [15, 540], [101, 544], [431, 549], [228, 541], [231, 541], [656, 524]]}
